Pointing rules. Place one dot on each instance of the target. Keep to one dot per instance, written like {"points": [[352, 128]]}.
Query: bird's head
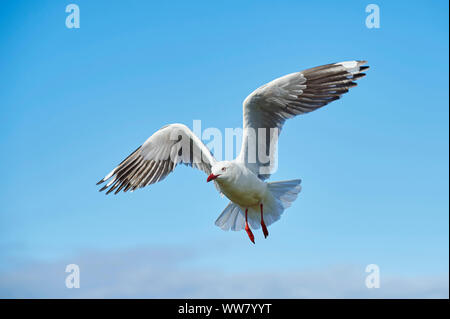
{"points": [[221, 171]]}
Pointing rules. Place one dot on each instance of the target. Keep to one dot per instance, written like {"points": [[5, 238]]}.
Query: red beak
{"points": [[211, 177]]}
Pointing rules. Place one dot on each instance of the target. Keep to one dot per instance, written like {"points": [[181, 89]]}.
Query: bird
{"points": [[254, 202]]}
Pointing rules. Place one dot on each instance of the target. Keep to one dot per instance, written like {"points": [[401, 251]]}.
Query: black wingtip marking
{"points": [[358, 76]]}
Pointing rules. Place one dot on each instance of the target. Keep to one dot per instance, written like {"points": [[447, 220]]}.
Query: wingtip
{"points": [[365, 67]]}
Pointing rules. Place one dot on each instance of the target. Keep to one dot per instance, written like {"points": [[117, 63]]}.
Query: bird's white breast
{"points": [[246, 189]]}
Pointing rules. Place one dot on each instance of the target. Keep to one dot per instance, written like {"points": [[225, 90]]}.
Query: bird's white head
{"points": [[222, 171]]}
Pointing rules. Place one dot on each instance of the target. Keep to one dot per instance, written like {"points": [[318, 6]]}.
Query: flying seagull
{"points": [[254, 202]]}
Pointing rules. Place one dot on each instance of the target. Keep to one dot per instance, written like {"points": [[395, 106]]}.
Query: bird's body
{"points": [[244, 188], [253, 201]]}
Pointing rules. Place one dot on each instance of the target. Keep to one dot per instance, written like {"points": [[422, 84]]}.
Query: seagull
{"points": [[254, 202]]}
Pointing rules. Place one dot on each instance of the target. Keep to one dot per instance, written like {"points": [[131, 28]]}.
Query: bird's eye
{"points": [[224, 169]]}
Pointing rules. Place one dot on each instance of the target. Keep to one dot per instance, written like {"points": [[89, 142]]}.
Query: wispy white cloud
{"points": [[168, 273]]}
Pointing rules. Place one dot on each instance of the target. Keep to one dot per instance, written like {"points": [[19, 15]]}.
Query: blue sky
{"points": [[374, 165]]}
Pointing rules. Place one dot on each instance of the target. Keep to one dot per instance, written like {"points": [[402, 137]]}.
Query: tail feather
{"points": [[282, 194], [231, 217]]}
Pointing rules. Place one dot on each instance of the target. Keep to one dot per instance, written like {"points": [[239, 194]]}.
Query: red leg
{"points": [[247, 229], [263, 225]]}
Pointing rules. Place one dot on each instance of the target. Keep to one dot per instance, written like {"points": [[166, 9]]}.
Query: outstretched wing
{"points": [[157, 157], [268, 107]]}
